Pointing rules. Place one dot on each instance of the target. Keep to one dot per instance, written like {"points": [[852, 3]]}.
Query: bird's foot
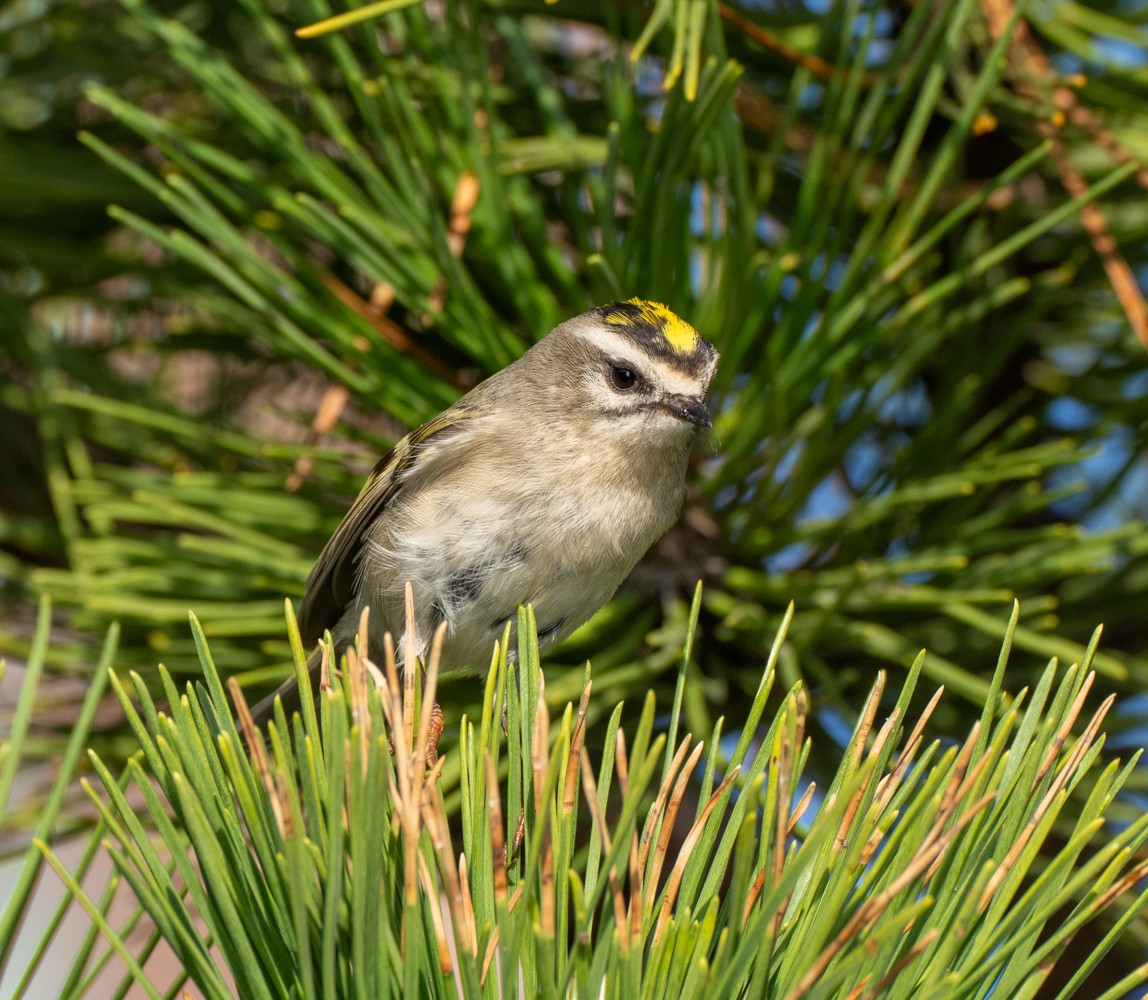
{"points": [[434, 732]]}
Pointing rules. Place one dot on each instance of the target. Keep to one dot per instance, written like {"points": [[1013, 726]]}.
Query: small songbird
{"points": [[545, 484]]}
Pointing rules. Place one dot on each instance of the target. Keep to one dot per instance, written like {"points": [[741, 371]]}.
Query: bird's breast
{"points": [[560, 536]]}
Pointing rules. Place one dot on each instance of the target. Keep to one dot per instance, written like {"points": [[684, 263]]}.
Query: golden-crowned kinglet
{"points": [[545, 484]]}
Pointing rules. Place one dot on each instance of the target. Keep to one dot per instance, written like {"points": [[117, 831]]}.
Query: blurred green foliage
{"points": [[930, 401]]}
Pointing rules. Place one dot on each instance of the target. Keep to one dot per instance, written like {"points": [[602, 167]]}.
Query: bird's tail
{"points": [[288, 692]]}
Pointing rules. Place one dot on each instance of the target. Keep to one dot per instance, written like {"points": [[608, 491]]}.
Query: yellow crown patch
{"points": [[681, 337]]}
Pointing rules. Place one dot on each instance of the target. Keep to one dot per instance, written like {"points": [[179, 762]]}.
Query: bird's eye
{"points": [[622, 377]]}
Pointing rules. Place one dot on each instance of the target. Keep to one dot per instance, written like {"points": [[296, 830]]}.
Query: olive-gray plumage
{"points": [[545, 484]]}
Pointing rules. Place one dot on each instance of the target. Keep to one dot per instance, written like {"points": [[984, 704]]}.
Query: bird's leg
{"points": [[437, 724], [511, 850], [434, 731]]}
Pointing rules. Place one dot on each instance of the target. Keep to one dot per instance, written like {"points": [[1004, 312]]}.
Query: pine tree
{"points": [[914, 231]]}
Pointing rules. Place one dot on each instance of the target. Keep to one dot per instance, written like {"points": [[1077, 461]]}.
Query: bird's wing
{"points": [[331, 583]]}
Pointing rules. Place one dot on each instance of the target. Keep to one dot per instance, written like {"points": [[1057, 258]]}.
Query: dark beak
{"points": [[687, 408]]}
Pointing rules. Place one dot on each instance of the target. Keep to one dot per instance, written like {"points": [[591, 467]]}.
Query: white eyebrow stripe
{"points": [[614, 345], [668, 377]]}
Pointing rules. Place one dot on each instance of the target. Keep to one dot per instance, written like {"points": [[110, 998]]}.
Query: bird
{"points": [[545, 485]]}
